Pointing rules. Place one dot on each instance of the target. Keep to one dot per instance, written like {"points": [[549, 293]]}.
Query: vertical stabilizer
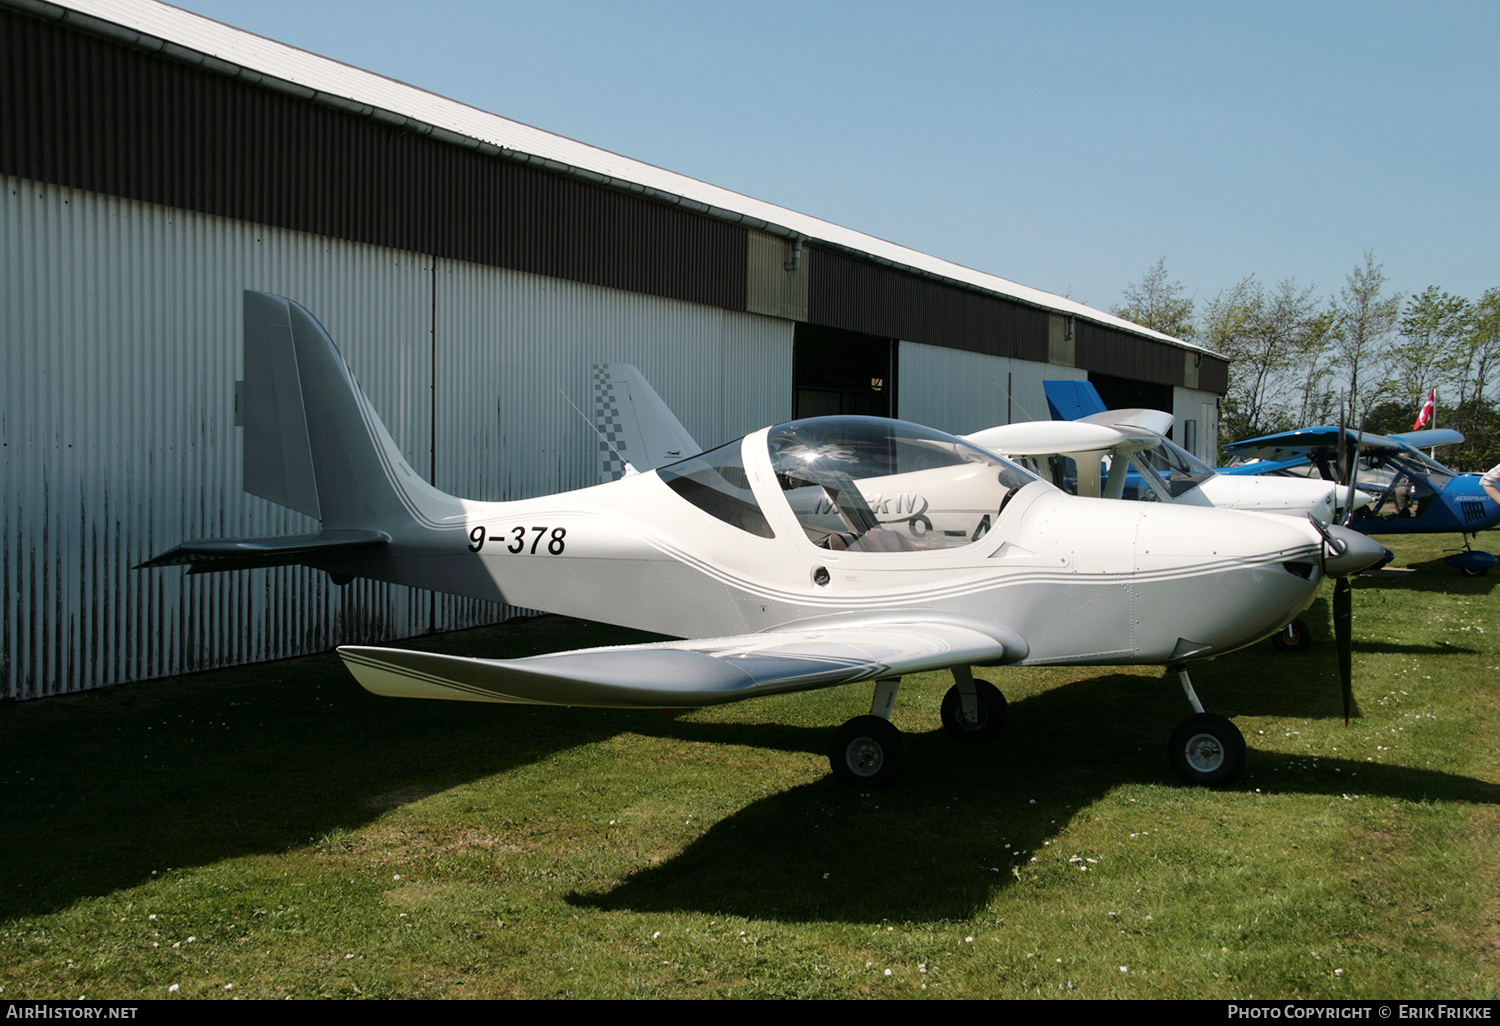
{"points": [[278, 457], [312, 441], [1071, 400], [635, 426]]}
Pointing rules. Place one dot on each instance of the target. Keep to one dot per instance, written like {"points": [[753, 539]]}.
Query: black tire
{"points": [[1473, 571], [868, 753], [1294, 637], [1207, 750], [992, 708]]}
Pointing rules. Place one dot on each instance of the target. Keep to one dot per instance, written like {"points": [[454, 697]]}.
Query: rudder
{"points": [[312, 441]]}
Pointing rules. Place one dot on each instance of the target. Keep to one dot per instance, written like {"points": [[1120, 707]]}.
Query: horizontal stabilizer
{"points": [[208, 555], [678, 674]]}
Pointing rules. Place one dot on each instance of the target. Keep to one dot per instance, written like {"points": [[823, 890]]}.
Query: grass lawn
{"points": [[275, 831]]}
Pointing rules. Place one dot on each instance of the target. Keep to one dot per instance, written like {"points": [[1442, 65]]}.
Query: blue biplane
{"points": [[1413, 493]]}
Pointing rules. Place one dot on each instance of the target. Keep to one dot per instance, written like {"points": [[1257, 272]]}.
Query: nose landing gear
{"points": [[1206, 750]]}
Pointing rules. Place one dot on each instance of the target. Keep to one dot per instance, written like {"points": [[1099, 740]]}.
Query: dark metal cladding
{"points": [[845, 292], [1213, 375], [85, 112], [1127, 356]]}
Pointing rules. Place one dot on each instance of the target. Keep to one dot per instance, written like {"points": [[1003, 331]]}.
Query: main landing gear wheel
{"points": [[991, 713], [1294, 637], [1207, 750], [868, 753], [1474, 571]]}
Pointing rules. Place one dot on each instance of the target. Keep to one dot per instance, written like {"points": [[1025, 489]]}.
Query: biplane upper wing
{"points": [[1324, 441]]}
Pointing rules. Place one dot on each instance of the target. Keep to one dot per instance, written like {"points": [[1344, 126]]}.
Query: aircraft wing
{"points": [[1428, 437], [677, 674], [1048, 437], [1320, 440], [1263, 466]]}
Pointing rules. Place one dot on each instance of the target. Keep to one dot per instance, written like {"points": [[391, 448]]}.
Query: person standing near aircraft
{"points": [[1490, 482]]}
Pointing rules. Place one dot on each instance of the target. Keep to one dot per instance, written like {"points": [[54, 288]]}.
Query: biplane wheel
{"points": [[992, 708], [1294, 637], [1207, 750], [868, 752], [1473, 571]]}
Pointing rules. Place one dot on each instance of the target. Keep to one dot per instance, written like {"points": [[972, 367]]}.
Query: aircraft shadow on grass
{"points": [[200, 787], [1364, 644], [201, 771], [943, 844], [1429, 575]]}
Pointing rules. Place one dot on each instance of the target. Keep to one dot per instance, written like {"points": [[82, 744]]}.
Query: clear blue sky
{"points": [[1064, 145]]}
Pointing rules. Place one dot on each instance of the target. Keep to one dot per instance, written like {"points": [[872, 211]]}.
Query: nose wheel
{"points": [[1294, 637], [1206, 750]]}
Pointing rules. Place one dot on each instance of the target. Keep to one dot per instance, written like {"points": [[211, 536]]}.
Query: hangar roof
{"points": [[217, 47]]}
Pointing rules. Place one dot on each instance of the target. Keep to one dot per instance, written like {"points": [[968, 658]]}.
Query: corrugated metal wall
{"points": [[121, 345], [525, 345], [963, 392], [1103, 351]]}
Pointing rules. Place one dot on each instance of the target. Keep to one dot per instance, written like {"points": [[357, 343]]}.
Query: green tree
{"points": [[1434, 327], [1366, 318], [1479, 351], [1474, 412], [1278, 344], [1158, 303]]}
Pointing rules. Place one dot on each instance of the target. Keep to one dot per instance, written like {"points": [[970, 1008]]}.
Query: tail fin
{"points": [[1070, 400], [635, 426], [312, 441]]}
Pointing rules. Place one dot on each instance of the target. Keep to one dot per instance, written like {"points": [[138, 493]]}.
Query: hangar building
{"points": [[155, 164]]}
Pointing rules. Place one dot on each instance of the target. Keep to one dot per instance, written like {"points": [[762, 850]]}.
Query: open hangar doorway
{"points": [[1124, 394], [842, 372]]}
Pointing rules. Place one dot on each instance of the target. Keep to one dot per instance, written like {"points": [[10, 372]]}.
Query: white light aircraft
{"points": [[734, 550], [637, 426], [1144, 464]]}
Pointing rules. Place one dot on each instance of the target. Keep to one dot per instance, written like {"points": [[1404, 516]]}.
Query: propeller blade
{"points": [[1343, 447], [1343, 636], [1353, 474]]}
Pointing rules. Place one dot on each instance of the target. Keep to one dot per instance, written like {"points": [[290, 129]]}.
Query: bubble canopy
{"points": [[860, 483]]}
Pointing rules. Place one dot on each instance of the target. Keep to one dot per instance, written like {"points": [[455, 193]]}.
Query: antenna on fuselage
{"points": [[595, 428], [1012, 401]]}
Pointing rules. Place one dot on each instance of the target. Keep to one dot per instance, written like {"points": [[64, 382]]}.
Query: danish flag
{"points": [[1428, 408]]}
